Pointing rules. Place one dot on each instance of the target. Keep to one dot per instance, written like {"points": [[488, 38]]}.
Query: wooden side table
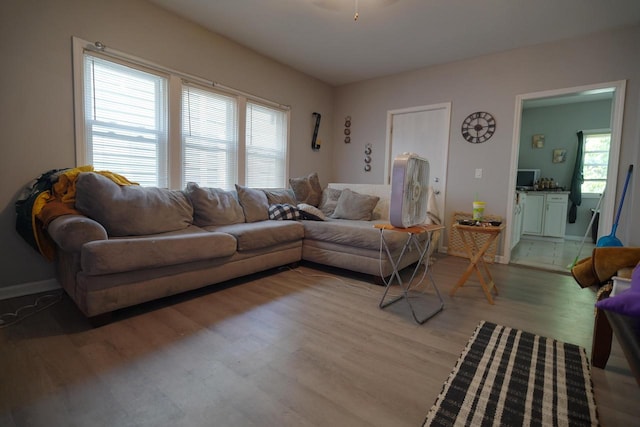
{"points": [[423, 249], [475, 254]]}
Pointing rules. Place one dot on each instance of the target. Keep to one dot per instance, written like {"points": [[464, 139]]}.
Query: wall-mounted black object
{"points": [[347, 131], [314, 146]]}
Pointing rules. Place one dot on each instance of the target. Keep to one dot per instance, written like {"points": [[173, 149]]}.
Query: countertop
{"points": [[558, 191]]}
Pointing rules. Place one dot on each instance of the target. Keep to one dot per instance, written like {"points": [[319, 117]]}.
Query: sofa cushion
{"points": [[131, 210], [307, 189], [329, 200], [213, 206], [280, 196], [159, 250], [355, 206], [254, 203], [358, 234], [263, 234]]}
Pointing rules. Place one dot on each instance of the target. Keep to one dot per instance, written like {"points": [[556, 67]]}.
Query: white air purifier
{"points": [[409, 191]]}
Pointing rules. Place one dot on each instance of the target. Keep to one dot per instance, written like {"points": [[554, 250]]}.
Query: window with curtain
{"points": [[209, 138], [596, 160], [266, 146], [221, 137], [126, 120]]}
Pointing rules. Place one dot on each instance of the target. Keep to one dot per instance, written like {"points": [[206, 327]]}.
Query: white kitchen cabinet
{"points": [[555, 215], [546, 214], [533, 214], [518, 216]]}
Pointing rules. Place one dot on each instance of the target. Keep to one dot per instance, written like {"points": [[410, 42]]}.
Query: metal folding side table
{"points": [[412, 241]]}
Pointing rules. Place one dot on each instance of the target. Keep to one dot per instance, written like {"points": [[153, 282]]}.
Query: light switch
{"points": [[478, 173]]}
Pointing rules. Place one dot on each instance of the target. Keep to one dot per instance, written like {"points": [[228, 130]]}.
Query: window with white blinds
{"points": [[266, 145], [209, 138], [596, 161], [126, 120]]}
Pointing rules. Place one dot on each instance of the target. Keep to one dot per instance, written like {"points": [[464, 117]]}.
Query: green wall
{"points": [[559, 124]]}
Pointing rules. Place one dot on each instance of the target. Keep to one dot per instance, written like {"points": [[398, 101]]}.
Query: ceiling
{"points": [[321, 38]]}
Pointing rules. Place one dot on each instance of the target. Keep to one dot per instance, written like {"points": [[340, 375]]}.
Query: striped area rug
{"points": [[507, 377]]}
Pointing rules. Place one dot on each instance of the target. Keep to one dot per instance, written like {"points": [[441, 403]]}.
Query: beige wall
{"points": [[36, 107], [491, 83], [36, 104]]}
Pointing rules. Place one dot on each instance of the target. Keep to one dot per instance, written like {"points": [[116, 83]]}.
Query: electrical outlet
{"points": [[478, 173]]}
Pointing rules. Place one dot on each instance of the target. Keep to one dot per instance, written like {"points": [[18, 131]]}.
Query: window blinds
{"points": [[209, 138], [222, 138], [126, 120], [266, 145], [596, 161]]}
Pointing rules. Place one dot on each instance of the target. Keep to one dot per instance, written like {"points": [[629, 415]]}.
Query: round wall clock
{"points": [[478, 127]]}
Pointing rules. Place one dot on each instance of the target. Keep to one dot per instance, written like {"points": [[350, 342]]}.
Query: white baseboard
{"points": [[29, 288], [542, 238], [578, 238]]}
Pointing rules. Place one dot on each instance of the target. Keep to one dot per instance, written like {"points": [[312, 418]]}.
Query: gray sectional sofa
{"points": [[134, 244]]}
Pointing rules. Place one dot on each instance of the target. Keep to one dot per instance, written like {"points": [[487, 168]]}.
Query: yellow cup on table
{"points": [[478, 210]]}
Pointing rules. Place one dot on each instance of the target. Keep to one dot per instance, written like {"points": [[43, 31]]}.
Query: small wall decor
{"points": [[367, 158], [347, 131], [537, 141], [478, 127], [559, 155], [315, 146]]}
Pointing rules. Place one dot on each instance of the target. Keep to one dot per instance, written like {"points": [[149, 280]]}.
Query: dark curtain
{"points": [[576, 181]]}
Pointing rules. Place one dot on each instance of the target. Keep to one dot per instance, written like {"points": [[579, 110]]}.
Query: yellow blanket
{"points": [[61, 201]]}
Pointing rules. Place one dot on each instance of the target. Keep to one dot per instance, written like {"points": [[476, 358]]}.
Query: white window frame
{"points": [[268, 151], [587, 133], [175, 81]]}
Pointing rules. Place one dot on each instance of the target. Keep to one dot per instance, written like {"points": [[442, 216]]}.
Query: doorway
{"points": [[617, 91], [423, 130]]}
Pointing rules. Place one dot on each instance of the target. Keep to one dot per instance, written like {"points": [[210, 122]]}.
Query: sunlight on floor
{"points": [[556, 256]]}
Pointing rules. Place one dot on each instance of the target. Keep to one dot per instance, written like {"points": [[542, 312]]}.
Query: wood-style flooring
{"points": [[302, 347]]}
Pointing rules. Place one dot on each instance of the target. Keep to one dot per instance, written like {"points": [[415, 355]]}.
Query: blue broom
{"points": [[611, 239]]}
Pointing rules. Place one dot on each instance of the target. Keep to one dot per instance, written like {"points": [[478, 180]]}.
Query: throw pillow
{"points": [[280, 197], [131, 210], [307, 189], [626, 302], [352, 205], [213, 206], [284, 211], [254, 203], [311, 212], [329, 200]]}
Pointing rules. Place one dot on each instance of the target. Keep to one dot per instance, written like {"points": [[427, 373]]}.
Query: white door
{"points": [[424, 131]]}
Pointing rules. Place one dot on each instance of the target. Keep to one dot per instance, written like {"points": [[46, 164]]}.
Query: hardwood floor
{"points": [[303, 347]]}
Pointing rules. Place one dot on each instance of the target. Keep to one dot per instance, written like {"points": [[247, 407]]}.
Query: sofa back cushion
{"points": [[254, 203], [131, 210], [381, 211], [280, 196], [329, 200], [307, 189], [352, 205], [213, 206]]}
